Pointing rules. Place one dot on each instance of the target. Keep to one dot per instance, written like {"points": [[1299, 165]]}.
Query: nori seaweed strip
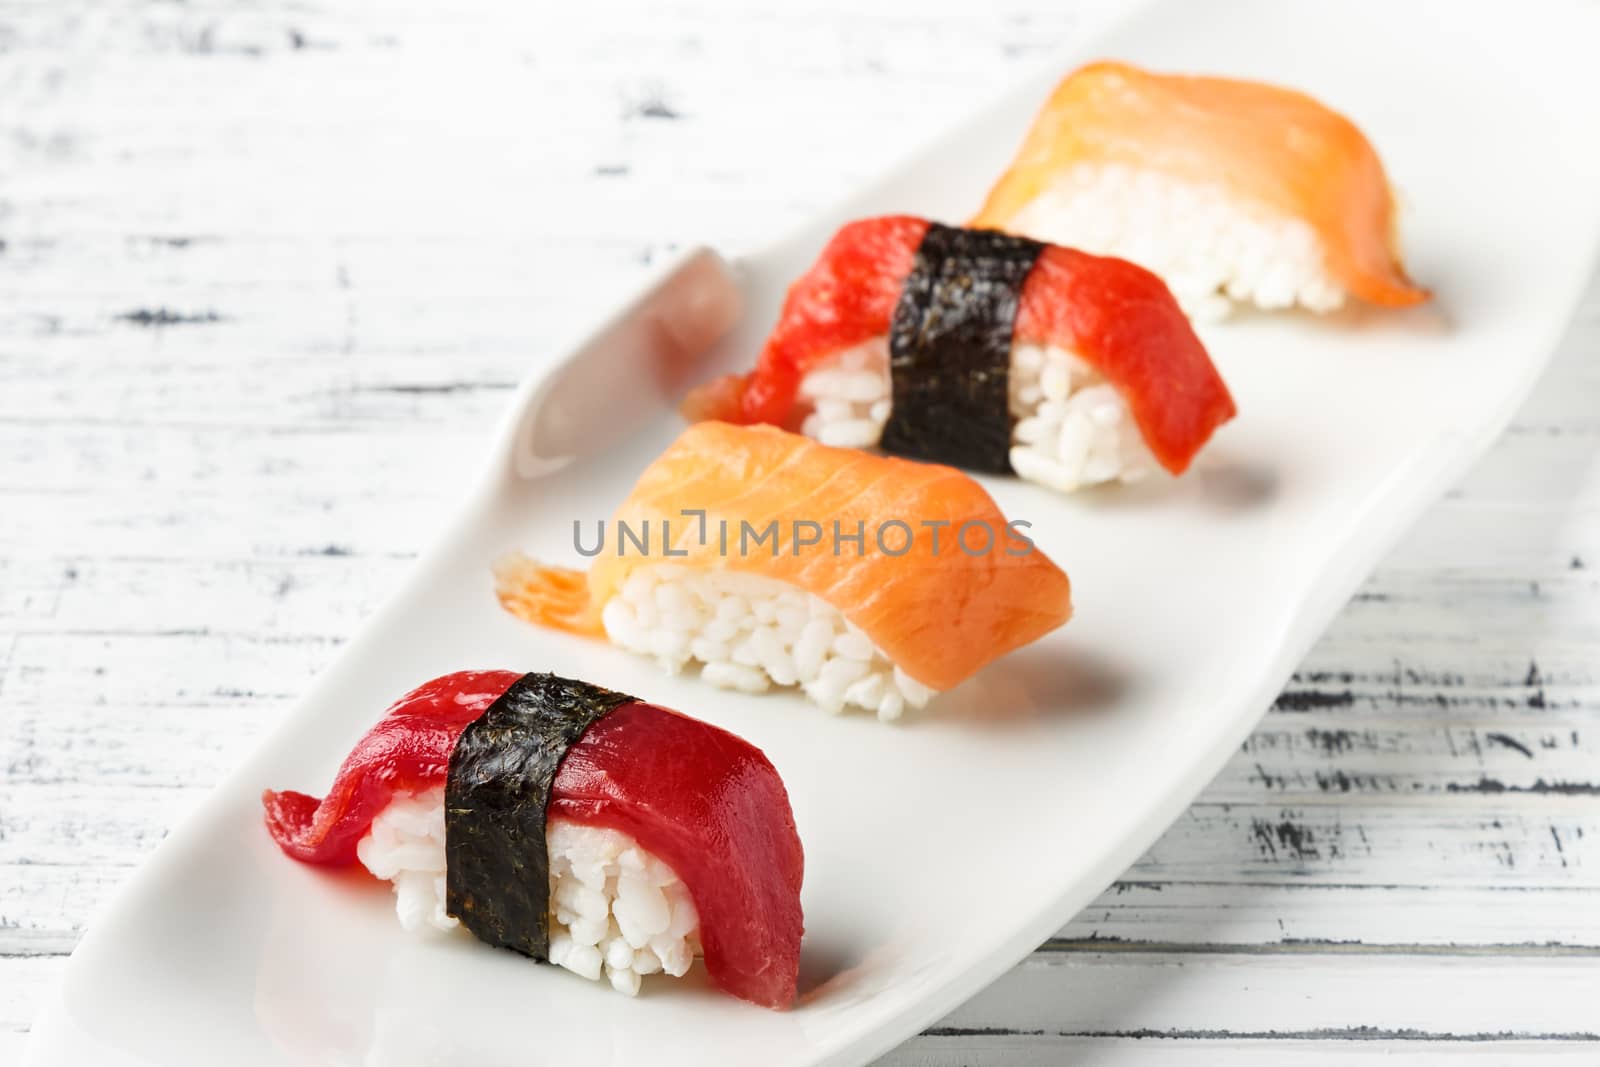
{"points": [[497, 867], [950, 348]]}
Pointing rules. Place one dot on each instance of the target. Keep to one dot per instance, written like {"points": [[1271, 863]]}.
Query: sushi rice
{"points": [[751, 632], [1073, 429], [615, 910], [1211, 248]]}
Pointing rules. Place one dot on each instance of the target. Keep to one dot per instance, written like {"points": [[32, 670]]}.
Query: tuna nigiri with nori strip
{"points": [[1232, 191], [985, 351], [867, 581], [572, 824]]}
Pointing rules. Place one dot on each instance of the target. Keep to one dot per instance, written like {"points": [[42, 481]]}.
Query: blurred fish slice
{"points": [[1235, 192]]}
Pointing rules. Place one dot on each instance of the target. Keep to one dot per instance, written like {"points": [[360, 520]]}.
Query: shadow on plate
{"points": [[1356, 316], [1033, 682], [1222, 482], [1235, 485]]}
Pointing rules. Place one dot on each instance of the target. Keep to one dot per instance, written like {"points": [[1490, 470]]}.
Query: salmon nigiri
{"points": [[982, 350], [770, 559], [1230, 190]]}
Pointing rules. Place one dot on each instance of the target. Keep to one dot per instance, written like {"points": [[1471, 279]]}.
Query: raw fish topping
{"points": [[407, 751]]}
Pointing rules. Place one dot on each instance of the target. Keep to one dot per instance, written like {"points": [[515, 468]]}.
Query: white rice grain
{"points": [[750, 632], [615, 910], [1072, 429], [1212, 248]]}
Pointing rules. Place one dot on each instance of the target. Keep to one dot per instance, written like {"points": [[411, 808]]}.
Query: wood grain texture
{"points": [[268, 270]]}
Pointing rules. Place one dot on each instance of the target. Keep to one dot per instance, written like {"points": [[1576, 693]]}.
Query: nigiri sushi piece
{"points": [[985, 351], [572, 824], [772, 560], [1232, 191]]}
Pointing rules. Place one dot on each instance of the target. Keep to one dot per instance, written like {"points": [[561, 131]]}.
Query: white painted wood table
{"points": [[268, 269]]}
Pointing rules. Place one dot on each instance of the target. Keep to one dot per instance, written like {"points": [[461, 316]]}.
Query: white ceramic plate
{"points": [[939, 853]]}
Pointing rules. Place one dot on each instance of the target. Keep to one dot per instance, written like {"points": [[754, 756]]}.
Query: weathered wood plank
{"points": [[1296, 916], [1200, 995], [983, 1048]]}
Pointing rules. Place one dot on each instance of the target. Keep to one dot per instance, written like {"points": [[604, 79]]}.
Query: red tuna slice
{"points": [[406, 752], [710, 806], [705, 802], [845, 299], [1123, 321], [1118, 317]]}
